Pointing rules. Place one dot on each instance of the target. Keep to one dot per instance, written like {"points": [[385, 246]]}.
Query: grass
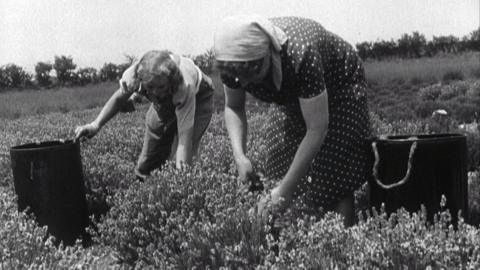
{"points": [[396, 79], [16, 104], [232, 238], [200, 219], [422, 70]]}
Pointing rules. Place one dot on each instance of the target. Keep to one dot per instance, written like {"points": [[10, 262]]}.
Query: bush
{"points": [[86, 75], [428, 126], [474, 196], [64, 67], [172, 222], [476, 72], [461, 99], [430, 93], [417, 80], [401, 241], [109, 72], [453, 90], [42, 73], [473, 150], [399, 111], [397, 81], [176, 219], [13, 76], [25, 245], [200, 217], [452, 75], [425, 109], [20, 237], [474, 89], [205, 61]]}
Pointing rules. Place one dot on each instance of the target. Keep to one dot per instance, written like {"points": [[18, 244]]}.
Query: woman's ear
{"points": [[175, 77]]}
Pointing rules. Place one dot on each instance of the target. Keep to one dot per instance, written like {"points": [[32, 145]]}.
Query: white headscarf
{"points": [[251, 37]]}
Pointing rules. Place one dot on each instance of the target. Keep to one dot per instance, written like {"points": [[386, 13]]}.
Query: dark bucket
{"points": [[410, 171], [48, 179]]}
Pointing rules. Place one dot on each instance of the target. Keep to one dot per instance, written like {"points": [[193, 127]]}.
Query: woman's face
{"points": [[254, 74], [157, 89]]}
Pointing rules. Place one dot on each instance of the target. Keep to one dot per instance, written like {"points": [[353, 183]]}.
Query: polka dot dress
{"points": [[313, 60]]}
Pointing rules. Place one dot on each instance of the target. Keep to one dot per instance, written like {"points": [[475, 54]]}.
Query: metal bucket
{"points": [[48, 179], [410, 171]]}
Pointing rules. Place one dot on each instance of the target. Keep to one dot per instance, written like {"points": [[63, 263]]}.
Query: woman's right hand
{"points": [[245, 169], [248, 177], [88, 130]]}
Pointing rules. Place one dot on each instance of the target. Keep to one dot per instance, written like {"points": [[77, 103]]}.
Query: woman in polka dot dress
{"points": [[318, 119]]}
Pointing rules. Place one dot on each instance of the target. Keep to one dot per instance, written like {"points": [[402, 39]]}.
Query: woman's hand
{"points": [[110, 109], [245, 169], [262, 209], [135, 98], [269, 204], [88, 130]]}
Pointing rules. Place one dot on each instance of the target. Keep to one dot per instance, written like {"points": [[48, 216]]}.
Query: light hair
{"points": [[159, 63]]}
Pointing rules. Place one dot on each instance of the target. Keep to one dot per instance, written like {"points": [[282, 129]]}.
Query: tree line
{"points": [[64, 72], [415, 45]]}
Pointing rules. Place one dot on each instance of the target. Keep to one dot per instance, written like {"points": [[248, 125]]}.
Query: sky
{"points": [[94, 32]]}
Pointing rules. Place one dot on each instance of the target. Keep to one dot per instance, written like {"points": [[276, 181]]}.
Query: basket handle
{"points": [[413, 147], [32, 170]]}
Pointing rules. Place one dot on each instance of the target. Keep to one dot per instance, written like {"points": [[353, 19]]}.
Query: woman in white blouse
{"points": [[182, 104]]}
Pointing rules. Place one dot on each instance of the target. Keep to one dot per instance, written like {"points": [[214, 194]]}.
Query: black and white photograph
{"points": [[240, 134]]}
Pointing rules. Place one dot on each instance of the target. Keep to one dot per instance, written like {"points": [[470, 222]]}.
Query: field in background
{"points": [[422, 70], [389, 80], [200, 217], [15, 104]]}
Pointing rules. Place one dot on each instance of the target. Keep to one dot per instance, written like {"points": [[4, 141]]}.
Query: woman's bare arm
{"points": [[315, 114]]}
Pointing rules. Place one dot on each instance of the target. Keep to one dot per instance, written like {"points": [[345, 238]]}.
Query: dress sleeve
{"points": [[184, 101], [310, 75], [129, 82]]}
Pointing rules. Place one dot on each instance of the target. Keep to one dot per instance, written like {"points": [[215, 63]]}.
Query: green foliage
{"points": [[459, 98], [451, 91], [432, 125], [452, 75], [25, 245], [66, 73], [474, 194], [476, 72], [64, 67], [42, 73], [401, 241], [22, 241], [429, 70], [13, 76], [425, 109], [85, 76], [474, 90], [201, 217], [109, 72], [415, 45], [430, 93], [205, 61], [416, 80], [473, 148], [411, 45], [178, 219], [17, 104]]}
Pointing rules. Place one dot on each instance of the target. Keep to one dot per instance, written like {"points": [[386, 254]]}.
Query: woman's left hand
{"points": [[262, 212], [268, 204]]}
